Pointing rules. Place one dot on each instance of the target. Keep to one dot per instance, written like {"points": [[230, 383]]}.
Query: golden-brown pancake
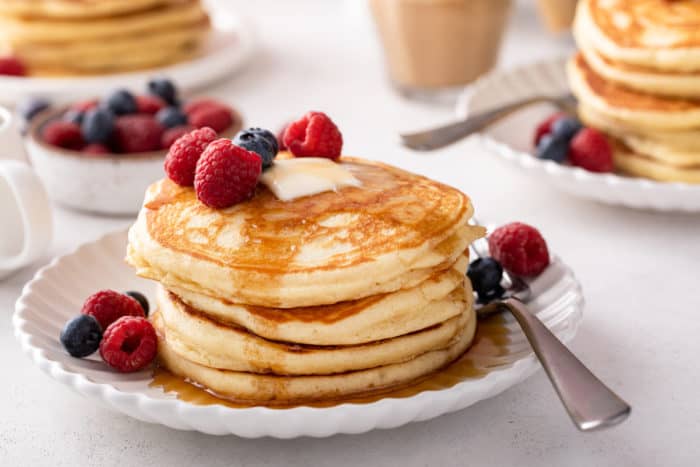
{"points": [[391, 233], [659, 34]]}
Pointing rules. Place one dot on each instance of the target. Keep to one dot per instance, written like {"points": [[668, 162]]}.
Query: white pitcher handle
{"points": [[24, 194]]}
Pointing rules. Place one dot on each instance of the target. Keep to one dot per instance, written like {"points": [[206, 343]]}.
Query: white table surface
{"points": [[639, 271]]}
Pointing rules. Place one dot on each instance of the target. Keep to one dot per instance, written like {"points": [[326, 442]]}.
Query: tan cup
{"points": [[557, 14], [436, 44]]}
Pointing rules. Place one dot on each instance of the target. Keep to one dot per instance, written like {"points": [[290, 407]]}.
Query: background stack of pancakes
{"points": [[65, 37], [326, 296], [637, 77]]}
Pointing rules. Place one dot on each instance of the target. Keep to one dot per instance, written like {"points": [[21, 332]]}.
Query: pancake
{"points": [[141, 35], [642, 165], [200, 339], [659, 34], [272, 389], [684, 139], [634, 108], [666, 83], [392, 233], [120, 54], [73, 9], [346, 323]]}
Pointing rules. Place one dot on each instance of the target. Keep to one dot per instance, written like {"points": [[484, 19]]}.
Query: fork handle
{"points": [[590, 404], [439, 137]]}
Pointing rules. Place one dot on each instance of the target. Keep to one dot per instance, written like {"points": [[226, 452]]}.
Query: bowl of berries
{"points": [[100, 155]]}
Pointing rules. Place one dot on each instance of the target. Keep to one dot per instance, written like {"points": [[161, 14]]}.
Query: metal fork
{"points": [[589, 402], [442, 136]]}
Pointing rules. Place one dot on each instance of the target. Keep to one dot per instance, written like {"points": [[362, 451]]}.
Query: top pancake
{"points": [[660, 34], [315, 250]]}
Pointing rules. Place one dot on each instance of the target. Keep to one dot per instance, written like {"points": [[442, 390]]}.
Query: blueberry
{"points": [[268, 135], [97, 125], [261, 142], [139, 297], [29, 108], [553, 147], [163, 88], [81, 336], [566, 127], [74, 116], [120, 102], [171, 117], [485, 274]]}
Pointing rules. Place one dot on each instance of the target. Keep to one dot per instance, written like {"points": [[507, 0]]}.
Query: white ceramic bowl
{"points": [[512, 140], [105, 184], [58, 291]]}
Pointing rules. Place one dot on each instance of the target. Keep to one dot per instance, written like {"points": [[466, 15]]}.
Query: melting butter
{"points": [[293, 178]]}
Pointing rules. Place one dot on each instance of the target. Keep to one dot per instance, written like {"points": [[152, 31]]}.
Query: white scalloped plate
{"points": [[228, 48], [58, 290], [512, 140]]}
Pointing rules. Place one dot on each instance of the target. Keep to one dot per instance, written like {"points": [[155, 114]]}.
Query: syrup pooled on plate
{"points": [[491, 349]]}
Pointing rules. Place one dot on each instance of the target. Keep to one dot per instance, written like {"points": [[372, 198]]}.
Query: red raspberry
{"points": [[149, 104], [314, 135], [129, 344], [137, 133], [226, 174], [107, 306], [519, 248], [63, 134], [590, 150], [84, 106], [197, 104], [181, 161], [217, 117], [96, 149], [12, 66], [173, 134], [545, 127]]}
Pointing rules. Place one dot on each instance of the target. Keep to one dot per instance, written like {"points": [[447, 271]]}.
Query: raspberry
{"points": [[107, 306], [137, 133], [280, 138], [63, 134], [129, 344], [173, 134], [314, 135], [12, 66], [96, 149], [519, 248], [590, 150], [181, 161], [197, 104], [149, 104], [84, 106], [226, 174], [545, 127], [217, 117]]}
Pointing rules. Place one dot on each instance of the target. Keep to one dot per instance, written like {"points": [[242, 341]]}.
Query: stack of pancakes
{"points": [[323, 297], [637, 78], [65, 37]]}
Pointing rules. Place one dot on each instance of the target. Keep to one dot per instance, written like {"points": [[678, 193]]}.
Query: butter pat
{"points": [[304, 176]]}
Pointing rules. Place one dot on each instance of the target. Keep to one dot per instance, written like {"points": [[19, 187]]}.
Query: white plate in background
{"points": [[227, 49], [512, 140]]}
